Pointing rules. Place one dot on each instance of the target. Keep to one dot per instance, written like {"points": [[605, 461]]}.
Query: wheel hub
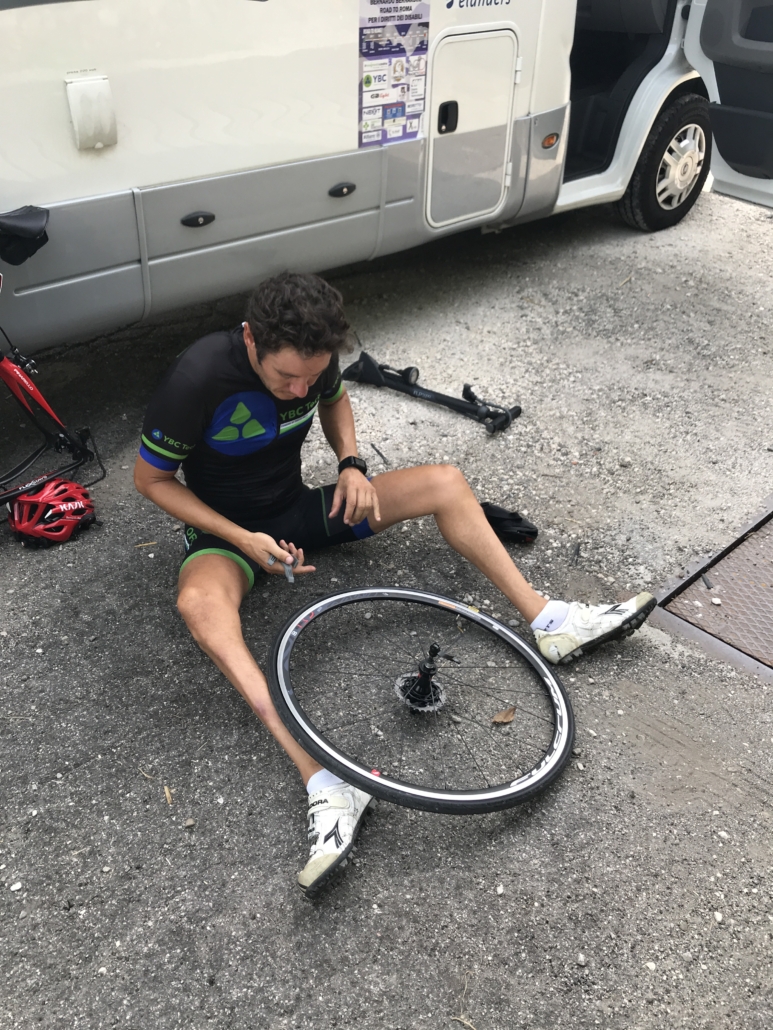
{"points": [[420, 696], [420, 690], [681, 167]]}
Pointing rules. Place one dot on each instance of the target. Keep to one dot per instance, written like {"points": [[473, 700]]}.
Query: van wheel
{"points": [[672, 166]]}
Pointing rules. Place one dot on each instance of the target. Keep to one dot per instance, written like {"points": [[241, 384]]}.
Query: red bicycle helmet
{"points": [[51, 513]]}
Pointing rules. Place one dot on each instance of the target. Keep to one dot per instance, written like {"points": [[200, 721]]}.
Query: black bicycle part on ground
{"points": [[494, 417], [56, 436], [421, 700], [509, 525]]}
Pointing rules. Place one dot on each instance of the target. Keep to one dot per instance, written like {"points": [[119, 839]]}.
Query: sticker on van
{"points": [[393, 71]]}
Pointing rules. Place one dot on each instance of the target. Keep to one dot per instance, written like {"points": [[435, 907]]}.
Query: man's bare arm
{"points": [[177, 500], [337, 421]]}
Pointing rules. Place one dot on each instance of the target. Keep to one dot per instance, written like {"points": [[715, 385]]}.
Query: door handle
{"points": [[341, 189], [448, 117], [198, 218]]}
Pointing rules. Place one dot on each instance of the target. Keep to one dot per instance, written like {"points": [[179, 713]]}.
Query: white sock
{"points": [[322, 779], [551, 617]]}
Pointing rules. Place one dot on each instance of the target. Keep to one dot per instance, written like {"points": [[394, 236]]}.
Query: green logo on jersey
{"points": [[241, 416]]}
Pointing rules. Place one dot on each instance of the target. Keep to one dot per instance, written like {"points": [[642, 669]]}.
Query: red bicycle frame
{"points": [[13, 372]]}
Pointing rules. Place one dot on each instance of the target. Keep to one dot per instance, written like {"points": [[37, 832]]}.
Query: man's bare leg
{"points": [[211, 589], [442, 491]]}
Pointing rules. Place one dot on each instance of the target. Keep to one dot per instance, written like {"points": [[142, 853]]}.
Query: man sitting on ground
{"points": [[234, 410]]}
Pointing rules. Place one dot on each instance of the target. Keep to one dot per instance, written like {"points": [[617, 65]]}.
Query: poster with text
{"points": [[393, 71]]}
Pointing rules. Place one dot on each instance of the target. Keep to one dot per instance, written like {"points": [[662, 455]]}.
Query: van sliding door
{"points": [[730, 42], [470, 122]]}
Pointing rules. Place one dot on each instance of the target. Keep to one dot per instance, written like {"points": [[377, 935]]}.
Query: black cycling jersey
{"points": [[239, 445]]}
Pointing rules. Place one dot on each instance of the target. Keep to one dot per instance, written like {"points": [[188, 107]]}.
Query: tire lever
{"points": [[287, 568]]}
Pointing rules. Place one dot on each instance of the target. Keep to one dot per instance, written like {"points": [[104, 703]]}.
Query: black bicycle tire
{"points": [[377, 783]]}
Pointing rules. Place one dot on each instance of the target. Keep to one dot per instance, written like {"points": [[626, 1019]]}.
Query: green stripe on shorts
{"points": [[226, 554]]}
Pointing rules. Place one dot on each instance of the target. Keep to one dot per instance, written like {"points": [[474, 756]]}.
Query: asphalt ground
{"points": [[635, 893]]}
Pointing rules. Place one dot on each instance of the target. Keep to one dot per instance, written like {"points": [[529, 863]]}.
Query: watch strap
{"points": [[352, 462]]}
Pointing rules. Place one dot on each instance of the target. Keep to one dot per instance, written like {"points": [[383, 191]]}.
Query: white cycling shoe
{"points": [[335, 814], [588, 625]]}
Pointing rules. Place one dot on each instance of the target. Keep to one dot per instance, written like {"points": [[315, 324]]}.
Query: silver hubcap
{"points": [[681, 167]]}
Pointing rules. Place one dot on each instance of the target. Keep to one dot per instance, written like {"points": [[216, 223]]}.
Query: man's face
{"points": [[286, 373]]}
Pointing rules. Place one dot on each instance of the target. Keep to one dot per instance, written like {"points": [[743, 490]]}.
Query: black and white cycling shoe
{"points": [[588, 625], [335, 814]]}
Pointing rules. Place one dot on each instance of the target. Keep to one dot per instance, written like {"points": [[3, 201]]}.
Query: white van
{"points": [[185, 149]]}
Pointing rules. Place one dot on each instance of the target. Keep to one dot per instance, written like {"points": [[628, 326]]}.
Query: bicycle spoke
{"points": [[448, 675], [442, 750], [506, 701], [472, 756], [371, 675], [370, 717], [411, 656], [493, 736], [368, 654], [490, 668]]}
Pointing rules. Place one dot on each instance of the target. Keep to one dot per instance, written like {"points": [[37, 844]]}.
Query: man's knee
{"points": [[448, 479], [191, 604], [196, 603]]}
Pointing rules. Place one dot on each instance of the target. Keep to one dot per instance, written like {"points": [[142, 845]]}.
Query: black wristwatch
{"points": [[352, 463]]}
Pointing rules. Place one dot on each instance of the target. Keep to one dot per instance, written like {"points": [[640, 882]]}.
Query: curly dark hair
{"points": [[302, 311]]}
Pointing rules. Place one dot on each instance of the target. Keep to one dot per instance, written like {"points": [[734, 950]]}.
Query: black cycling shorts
{"points": [[305, 524]]}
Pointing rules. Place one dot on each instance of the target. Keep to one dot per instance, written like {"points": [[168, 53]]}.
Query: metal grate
{"points": [[743, 582]]}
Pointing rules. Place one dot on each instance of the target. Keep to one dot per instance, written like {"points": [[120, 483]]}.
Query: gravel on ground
{"points": [[151, 831]]}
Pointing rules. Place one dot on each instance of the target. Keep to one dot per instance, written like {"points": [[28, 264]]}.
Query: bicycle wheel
{"points": [[421, 700]]}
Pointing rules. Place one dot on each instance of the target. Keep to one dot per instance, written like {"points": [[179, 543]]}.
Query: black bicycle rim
{"points": [[339, 691]]}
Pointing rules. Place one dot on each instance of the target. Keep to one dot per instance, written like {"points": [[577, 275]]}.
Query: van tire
{"points": [[640, 207]]}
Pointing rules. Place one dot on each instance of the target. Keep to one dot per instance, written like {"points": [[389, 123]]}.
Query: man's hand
{"points": [[260, 547], [360, 496]]}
